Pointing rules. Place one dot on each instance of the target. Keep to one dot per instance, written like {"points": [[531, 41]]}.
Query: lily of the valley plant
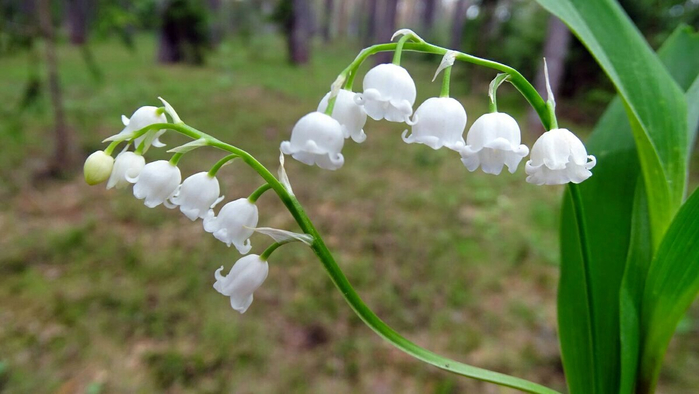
{"points": [[614, 325]]}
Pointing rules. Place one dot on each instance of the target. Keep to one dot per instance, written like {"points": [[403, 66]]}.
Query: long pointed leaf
{"points": [[608, 198], [680, 54], [672, 285], [632, 285]]}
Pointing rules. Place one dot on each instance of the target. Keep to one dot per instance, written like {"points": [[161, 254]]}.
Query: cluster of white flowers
{"points": [[160, 182], [493, 141]]}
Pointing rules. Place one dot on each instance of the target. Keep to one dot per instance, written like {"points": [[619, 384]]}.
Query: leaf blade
{"points": [[672, 285], [608, 200]]}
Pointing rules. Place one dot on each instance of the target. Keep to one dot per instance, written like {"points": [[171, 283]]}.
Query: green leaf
{"points": [[608, 201], [653, 101], [671, 286], [632, 285], [680, 54], [693, 116]]}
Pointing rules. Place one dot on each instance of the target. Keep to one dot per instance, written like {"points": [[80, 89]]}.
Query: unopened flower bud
{"points": [[98, 167]]}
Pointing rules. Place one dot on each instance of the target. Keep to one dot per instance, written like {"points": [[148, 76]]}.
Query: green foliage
{"points": [[625, 209], [671, 286]]}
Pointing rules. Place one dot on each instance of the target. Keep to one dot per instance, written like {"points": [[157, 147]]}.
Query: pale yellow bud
{"points": [[98, 167]]}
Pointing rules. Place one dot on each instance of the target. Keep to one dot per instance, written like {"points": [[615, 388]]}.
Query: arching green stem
{"points": [[446, 81], [521, 84], [265, 255], [399, 48], [331, 106], [176, 158], [346, 289], [110, 148], [257, 193], [493, 91], [214, 170]]}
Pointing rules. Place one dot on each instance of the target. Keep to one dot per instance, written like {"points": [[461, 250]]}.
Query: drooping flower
{"points": [[316, 139], [98, 167], [127, 166], [492, 142], [351, 116], [157, 182], [145, 116], [438, 122], [197, 194], [559, 157], [234, 224], [247, 274], [389, 93]]}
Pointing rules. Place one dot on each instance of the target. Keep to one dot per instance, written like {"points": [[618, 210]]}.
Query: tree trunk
{"points": [[299, 32], [457, 27], [169, 39], [63, 153], [185, 34], [428, 13], [77, 11], [555, 51], [216, 27], [386, 28], [328, 20], [372, 22]]}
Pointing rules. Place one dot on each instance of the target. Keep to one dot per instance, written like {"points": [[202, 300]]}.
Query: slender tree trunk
{"points": [[299, 32], [555, 51], [328, 20], [216, 27], [457, 27], [169, 39], [386, 28], [63, 153], [371, 22], [428, 13], [77, 11]]}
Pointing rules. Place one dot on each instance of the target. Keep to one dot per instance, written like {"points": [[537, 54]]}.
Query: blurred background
{"points": [[99, 294]]}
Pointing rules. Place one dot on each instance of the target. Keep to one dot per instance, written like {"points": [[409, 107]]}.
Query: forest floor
{"points": [[99, 294]]}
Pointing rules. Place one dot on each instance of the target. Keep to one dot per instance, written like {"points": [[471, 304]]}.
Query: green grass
{"points": [[101, 294]]}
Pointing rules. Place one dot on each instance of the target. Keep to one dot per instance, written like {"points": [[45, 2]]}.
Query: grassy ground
{"points": [[100, 294]]}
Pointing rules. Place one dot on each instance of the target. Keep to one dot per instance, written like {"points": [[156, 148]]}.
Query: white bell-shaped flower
{"points": [[247, 274], [197, 194], [234, 224], [98, 167], [157, 182], [143, 117], [438, 122], [316, 139], [558, 157], [492, 142], [389, 93], [127, 166], [351, 116]]}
